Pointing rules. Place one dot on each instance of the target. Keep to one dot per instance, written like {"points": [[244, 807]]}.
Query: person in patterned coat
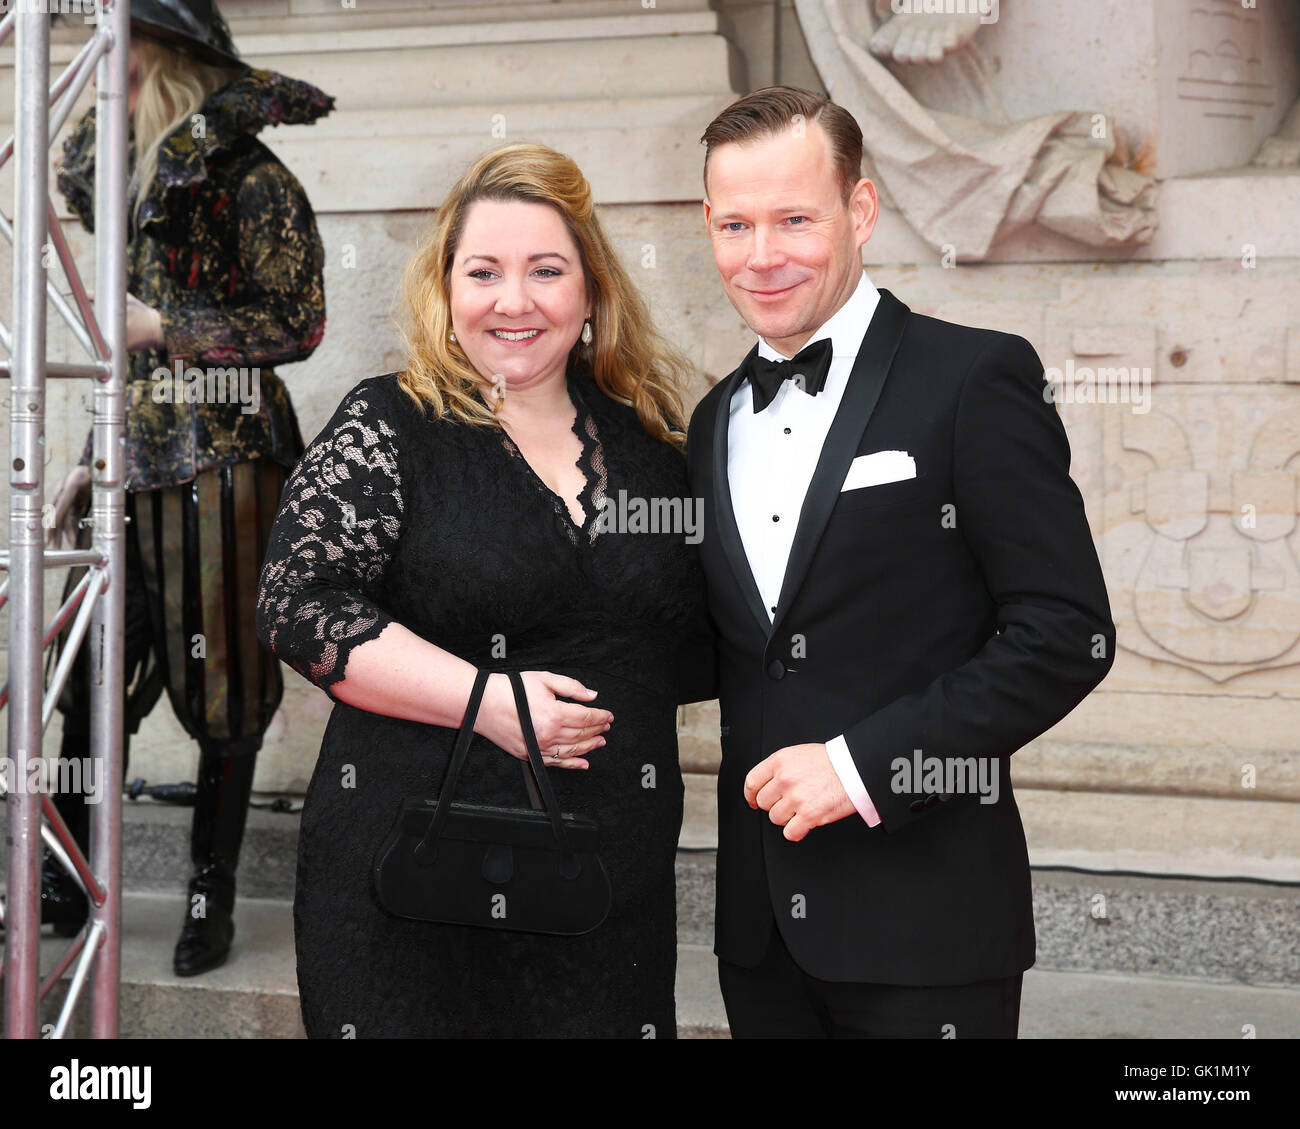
{"points": [[225, 281]]}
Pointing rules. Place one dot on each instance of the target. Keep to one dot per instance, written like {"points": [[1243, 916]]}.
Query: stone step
{"points": [[1218, 930], [254, 995], [1109, 922]]}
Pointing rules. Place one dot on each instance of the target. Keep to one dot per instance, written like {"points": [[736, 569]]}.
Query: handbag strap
{"points": [[461, 749], [458, 753], [542, 780]]}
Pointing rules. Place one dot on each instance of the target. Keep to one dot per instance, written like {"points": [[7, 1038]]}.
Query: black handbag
{"points": [[533, 870]]}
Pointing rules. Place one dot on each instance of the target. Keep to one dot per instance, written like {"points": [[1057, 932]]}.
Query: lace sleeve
{"points": [[339, 521]]}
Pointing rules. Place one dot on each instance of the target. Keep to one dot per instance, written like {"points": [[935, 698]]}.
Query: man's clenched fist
{"points": [[799, 789]]}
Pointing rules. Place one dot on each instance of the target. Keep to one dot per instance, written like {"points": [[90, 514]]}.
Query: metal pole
{"points": [[26, 534], [108, 512]]}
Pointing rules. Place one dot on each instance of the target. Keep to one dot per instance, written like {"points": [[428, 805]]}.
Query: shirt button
{"points": [[787, 431], [775, 517]]}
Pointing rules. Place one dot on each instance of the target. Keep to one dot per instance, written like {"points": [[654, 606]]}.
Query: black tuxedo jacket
{"points": [[960, 613]]}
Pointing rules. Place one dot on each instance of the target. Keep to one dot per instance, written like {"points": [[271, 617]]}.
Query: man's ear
{"points": [[864, 207], [707, 210]]}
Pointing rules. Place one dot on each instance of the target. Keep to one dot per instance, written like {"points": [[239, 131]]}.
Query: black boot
{"points": [[62, 901], [63, 904], [220, 810]]}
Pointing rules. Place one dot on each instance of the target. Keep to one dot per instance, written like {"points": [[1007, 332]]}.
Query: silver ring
{"points": [[555, 756]]}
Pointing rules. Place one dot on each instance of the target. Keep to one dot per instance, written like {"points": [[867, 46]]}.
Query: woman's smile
{"points": [[515, 338]]}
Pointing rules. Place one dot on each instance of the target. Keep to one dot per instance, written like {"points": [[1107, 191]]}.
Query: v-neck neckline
{"points": [[589, 446]]}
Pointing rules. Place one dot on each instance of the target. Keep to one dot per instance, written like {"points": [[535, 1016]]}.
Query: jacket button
{"points": [[776, 668], [915, 805]]}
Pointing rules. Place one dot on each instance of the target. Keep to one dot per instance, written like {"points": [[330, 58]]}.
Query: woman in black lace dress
{"points": [[470, 513]]}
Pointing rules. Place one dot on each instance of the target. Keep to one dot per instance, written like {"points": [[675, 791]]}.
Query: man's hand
{"points": [[799, 789]]}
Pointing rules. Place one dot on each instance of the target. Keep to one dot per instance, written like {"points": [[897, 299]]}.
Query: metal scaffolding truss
{"points": [[95, 608]]}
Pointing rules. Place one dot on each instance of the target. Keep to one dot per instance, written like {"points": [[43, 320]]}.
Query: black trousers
{"points": [[778, 1000]]}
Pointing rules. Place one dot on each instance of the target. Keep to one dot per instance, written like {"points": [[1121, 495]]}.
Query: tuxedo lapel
{"points": [[728, 531], [866, 380]]}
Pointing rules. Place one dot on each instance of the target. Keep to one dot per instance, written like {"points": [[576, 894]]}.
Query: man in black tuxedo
{"points": [[905, 592]]}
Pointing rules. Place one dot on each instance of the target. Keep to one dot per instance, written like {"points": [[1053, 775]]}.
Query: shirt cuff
{"points": [[842, 761]]}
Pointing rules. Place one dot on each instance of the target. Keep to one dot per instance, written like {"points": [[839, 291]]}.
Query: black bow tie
{"points": [[807, 368]]}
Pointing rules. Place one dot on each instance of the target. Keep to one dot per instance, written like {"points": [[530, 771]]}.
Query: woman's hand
{"points": [[566, 731], [69, 502], [143, 326]]}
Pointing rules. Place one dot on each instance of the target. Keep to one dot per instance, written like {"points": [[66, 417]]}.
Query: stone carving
{"points": [[1223, 68], [965, 175], [1201, 547], [1224, 74]]}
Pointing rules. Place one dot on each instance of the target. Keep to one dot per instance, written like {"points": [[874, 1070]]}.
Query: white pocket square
{"points": [[878, 468]]}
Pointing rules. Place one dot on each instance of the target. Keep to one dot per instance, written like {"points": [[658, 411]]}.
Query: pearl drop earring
{"points": [[451, 336], [586, 333]]}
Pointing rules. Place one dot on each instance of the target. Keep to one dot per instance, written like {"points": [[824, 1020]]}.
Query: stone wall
{"points": [[1185, 760]]}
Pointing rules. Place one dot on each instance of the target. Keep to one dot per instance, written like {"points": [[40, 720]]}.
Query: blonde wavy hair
{"points": [[629, 361], [173, 86]]}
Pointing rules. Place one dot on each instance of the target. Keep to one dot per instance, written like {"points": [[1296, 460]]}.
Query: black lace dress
{"points": [[446, 528]]}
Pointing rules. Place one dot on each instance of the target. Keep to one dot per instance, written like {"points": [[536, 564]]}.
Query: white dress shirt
{"points": [[771, 456]]}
